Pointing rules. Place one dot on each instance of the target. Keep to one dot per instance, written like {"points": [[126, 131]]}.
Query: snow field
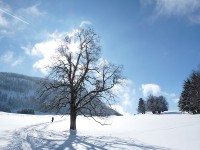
{"points": [[171, 130]]}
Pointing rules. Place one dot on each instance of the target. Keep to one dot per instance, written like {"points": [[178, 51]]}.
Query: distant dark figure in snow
{"points": [[52, 119]]}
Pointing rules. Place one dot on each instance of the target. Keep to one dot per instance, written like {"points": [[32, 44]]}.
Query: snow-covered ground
{"points": [[171, 130]]}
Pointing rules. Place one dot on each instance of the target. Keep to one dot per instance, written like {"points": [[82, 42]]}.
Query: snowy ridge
{"points": [[20, 92], [168, 131]]}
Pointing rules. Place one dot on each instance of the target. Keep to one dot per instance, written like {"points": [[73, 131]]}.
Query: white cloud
{"points": [[44, 50], [179, 8], [32, 11], [5, 11], [120, 109], [27, 50], [16, 62], [73, 47], [85, 23], [145, 3], [10, 21], [153, 89], [176, 7], [3, 20], [13, 16], [102, 62], [13, 20], [125, 93], [169, 94], [9, 58]]}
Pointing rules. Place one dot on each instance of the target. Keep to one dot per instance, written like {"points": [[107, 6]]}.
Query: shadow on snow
{"points": [[36, 137]]}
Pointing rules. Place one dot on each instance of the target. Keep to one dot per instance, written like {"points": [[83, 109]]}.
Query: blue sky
{"points": [[157, 41]]}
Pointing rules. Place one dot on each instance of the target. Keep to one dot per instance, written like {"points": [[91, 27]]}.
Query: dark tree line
{"points": [[154, 104], [190, 97]]}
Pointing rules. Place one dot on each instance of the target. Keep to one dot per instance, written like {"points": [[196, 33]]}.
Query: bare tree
{"points": [[79, 78], [157, 104]]}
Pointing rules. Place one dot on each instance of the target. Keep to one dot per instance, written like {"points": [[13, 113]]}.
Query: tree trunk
{"points": [[73, 119]]}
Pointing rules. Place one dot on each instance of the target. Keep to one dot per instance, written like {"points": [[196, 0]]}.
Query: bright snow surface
{"points": [[171, 130]]}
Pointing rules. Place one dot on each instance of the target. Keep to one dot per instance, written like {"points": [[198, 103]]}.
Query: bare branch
{"points": [[78, 80]]}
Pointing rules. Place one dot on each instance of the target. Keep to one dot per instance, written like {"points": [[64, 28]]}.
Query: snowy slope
{"points": [[18, 92], [171, 130]]}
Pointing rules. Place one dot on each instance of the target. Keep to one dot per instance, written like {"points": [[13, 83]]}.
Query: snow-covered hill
{"points": [[168, 131], [19, 92]]}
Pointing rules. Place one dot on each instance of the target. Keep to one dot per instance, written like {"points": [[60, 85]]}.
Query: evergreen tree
{"points": [[190, 96], [195, 92], [141, 106], [184, 102]]}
